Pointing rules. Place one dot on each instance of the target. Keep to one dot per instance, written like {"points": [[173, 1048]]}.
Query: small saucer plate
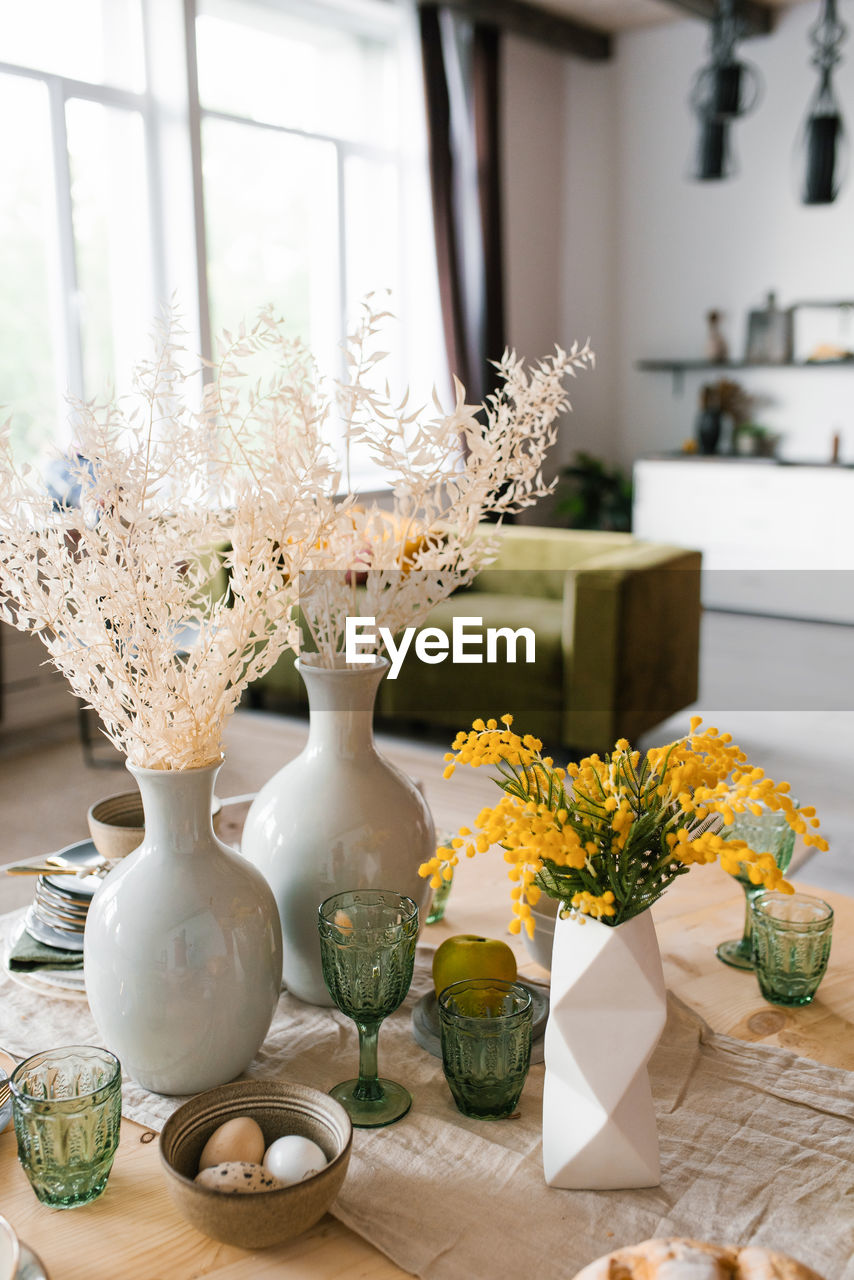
{"points": [[48, 982], [78, 854], [42, 932], [52, 981]]}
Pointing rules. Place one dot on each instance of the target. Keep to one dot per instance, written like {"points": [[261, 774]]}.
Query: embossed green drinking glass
{"points": [[67, 1107], [367, 950], [486, 1045], [767, 832], [791, 945]]}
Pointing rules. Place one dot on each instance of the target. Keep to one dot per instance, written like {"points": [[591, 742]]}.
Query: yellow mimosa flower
{"points": [[607, 836]]}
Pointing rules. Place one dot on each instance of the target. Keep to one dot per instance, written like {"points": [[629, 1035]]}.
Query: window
{"points": [[280, 161]]}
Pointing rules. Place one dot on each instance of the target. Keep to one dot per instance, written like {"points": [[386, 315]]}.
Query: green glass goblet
{"points": [[768, 832], [367, 950]]}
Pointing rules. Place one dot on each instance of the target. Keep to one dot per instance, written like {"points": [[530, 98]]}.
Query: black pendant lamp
{"points": [[714, 159], [824, 138], [723, 90]]}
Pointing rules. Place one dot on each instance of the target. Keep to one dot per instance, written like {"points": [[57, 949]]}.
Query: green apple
{"points": [[468, 956]]}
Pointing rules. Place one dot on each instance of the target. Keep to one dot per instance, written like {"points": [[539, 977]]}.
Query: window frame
{"points": [[172, 118], [60, 91]]}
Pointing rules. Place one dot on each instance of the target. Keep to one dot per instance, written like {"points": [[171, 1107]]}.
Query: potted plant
{"points": [[183, 947], [606, 837], [594, 495], [340, 816], [751, 440]]}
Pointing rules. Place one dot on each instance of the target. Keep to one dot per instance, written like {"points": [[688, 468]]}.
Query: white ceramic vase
{"points": [[607, 1011], [337, 817], [182, 949]]}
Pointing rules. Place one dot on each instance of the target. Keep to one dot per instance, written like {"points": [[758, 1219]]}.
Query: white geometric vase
{"points": [[607, 1012]]}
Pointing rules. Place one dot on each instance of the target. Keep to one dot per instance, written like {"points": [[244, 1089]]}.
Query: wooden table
{"points": [[134, 1232]]}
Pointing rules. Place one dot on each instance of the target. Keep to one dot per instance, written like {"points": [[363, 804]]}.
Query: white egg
{"points": [[237, 1177], [292, 1158]]}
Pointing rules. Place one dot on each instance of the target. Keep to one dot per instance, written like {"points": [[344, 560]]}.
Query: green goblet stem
{"points": [[368, 1088], [739, 951]]}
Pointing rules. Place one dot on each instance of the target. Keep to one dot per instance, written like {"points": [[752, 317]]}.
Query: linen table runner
{"points": [[757, 1147]]}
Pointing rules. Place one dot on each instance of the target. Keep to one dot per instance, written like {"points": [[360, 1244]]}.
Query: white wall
{"points": [[605, 236], [685, 247], [589, 277], [560, 118]]}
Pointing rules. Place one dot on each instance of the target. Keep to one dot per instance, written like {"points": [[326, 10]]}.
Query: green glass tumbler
{"points": [[486, 1045], [438, 903], [67, 1107], [791, 945], [367, 951], [768, 832]]}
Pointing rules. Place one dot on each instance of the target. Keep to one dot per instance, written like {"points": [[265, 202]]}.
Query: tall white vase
{"points": [[182, 949], [607, 1011], [337, 817]]}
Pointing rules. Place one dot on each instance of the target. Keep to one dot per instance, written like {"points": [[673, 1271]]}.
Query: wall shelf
{"points": [[678, 368]]}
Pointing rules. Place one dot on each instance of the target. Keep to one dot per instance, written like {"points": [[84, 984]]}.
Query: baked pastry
{"points": [[692, 1260]]}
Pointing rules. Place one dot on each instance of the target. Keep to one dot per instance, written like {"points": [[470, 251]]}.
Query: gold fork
{"points": [[5, 1088], [38, 869], [55, 866]]}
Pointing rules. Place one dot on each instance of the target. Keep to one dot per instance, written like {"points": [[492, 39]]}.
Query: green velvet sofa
{"points": [[617, 629]]}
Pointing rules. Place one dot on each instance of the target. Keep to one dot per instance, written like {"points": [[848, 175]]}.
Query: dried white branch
{"points": [[124, 591], [448, 471]]}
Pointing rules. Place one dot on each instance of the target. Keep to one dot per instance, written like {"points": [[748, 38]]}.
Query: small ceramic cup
{"points": [[791, 945], [486, 1045], [117, 824], [10, 1254], [66, 1105]]}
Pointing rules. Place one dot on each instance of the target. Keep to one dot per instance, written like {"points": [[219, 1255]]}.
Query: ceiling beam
{"points": [[542, 25], [758, 18]]}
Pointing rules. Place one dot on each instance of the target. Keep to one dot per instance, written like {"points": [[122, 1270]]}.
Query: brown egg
{"points": [[238, 1140]]}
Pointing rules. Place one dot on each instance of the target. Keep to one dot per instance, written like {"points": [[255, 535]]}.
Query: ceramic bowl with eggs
{"points": [[256, 1162]]}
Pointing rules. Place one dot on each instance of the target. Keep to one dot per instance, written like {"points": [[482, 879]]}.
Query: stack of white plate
{"points": [[57, 917]]}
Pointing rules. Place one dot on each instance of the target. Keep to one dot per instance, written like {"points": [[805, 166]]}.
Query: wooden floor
{"points": [[785, 691]]}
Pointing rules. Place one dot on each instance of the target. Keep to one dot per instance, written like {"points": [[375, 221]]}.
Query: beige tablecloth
{"points": [[757, 1147]]}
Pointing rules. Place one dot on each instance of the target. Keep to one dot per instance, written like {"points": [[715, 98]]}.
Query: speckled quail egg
{"points": [[292, 1158], [237, 1177]]}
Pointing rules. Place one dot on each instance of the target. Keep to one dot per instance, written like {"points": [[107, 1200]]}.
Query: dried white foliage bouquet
{"points": [[447, 471], [123, 591]]}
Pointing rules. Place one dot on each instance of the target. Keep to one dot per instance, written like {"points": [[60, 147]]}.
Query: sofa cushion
{"points": [[534, 561], [453, 694]]}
